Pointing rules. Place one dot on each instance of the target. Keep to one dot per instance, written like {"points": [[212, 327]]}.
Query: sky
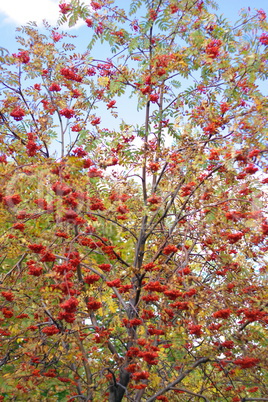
{"points": [[20, 12], [14, 13]]}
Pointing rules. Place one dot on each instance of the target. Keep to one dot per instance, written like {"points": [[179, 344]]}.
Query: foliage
{"points": [[133, 263]]}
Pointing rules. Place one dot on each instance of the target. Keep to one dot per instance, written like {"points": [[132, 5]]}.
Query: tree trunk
{"points": [[117, 390]]}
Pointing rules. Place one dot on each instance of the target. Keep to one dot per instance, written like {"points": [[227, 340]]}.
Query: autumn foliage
{"points": [[134, 257]]}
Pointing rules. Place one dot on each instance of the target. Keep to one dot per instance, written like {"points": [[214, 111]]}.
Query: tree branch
{"points": [[191, 393], [179, 379]]}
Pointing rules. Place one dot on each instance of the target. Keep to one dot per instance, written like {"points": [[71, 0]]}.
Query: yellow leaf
{"points": [[112, 306], [103, 81], [154, 379]]}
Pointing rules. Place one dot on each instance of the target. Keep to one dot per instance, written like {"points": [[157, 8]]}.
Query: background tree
{"points": [[133, 264]]}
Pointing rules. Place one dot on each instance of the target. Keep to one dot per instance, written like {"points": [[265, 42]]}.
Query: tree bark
{"points": [[117, 390]]}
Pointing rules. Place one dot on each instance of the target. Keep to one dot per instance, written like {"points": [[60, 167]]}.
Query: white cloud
{"points": [[22, 11]]}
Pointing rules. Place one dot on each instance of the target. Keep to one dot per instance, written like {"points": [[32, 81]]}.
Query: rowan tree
{"points": [[133, 257]]}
